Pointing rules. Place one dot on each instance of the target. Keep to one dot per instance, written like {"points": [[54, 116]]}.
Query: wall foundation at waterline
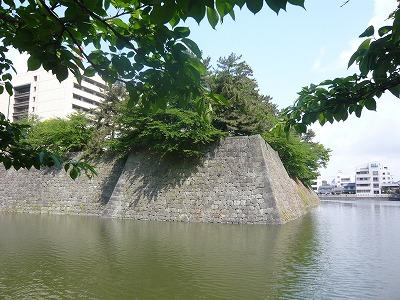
{"points": [[239, 180]]}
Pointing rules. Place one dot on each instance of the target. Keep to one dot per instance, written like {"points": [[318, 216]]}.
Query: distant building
{"points": [[390, 188], [344, 183], [371, 177], [342, 179], [326, 188], [349, 188], [316, 184], [40, 93]]}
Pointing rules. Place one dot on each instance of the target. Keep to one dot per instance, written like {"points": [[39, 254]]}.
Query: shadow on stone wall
{"points": [[111, 180], [148, 176]]}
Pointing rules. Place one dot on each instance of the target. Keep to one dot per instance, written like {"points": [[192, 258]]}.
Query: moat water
{"points": [[341, 250]]}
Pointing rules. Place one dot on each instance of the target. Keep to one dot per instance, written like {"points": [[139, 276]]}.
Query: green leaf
{"points": [[89, 71], [256, 5], [197, 10], [370, 104], [223, 7], [163, 14], [212, 17], [359, 53], [276, 5], [368, 32], [9, 88], [395, 91], [358, 110], [297, 2], [384, 30], [197, 65], [232, 14], [7, 163], [74, 173], [192, 46], [182, 32], [62, 73], [33, 63]]}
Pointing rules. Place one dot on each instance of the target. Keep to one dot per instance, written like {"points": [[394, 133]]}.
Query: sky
{"points": [[300, 47], [304, 46]]}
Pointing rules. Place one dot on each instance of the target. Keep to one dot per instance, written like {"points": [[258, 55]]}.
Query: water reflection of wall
{"points": [[105, 258]]}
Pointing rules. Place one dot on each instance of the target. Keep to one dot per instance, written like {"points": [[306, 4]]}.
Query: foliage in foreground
{"points": [[378, 60], [135, 42]]}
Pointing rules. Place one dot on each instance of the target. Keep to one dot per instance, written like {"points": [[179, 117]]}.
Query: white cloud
{"points": [[382, 10], [376, 135], [19, 60], [336, 65]]}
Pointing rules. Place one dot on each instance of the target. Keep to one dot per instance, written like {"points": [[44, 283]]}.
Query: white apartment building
{"points": [[371, 177], [40, 93]]}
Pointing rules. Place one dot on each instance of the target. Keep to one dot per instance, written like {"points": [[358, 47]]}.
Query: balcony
{"points": [[21, 95], [21, 104]]}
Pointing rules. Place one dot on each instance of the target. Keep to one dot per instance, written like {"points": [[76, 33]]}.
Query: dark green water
{"points": [[341, 250]]}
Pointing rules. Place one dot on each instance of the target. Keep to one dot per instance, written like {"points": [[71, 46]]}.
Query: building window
{"points": [[376, 185], [35, 78], [80, 108], [94, 82], [376, 192], [84, 99], [21, 102], [88, 90], [362, 172]]}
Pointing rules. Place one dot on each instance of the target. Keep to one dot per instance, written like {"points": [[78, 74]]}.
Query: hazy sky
{"points": [[300, 47]]}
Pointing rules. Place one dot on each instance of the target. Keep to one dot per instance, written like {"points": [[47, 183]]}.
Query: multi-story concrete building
{"points": [[40, 93], [344, 183], [371, 177]]}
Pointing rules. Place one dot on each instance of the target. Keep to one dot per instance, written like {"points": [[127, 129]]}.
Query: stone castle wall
{"points": [[240, 180]]}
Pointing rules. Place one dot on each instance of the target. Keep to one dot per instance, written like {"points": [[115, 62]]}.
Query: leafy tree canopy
{"points": [[137, 42], [378, 60], [249, 112], [61, 136]]}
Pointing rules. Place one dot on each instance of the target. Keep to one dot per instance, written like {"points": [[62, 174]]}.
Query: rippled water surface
{"points": [[342, 250]]}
